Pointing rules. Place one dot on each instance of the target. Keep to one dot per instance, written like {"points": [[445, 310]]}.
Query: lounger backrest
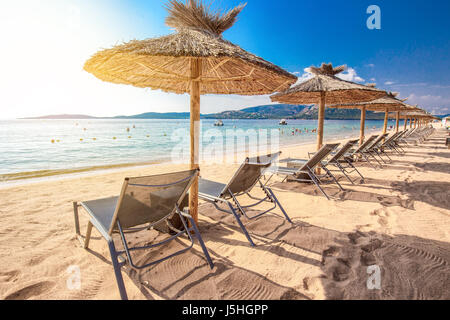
{"points": [[401, 135], [319, 156], [343, 150], [391, 138], [273, 157], [151, 199], [246, 177], [378, 141], [365, 144]]}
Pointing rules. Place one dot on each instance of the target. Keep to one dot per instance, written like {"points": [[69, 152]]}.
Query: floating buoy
{"points": [[148, 136], [128, 129], [129, 137], [53, 141], [81, 140], [134, 127], [114, 138], [57, 141], [84, 129], [94, 139]]}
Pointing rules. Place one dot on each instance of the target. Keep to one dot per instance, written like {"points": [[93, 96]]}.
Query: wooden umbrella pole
{"points": [[363, 125], [321, 120], [321, 123], [195, 134], [397, 121], [386, 119], [406, 123], [410, 123], [415, 122]]}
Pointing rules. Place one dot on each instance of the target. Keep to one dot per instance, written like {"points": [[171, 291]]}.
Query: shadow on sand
{"points": [[411, 267]]}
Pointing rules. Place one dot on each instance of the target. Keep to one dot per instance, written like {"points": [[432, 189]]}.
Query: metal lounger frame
{"points": [[309, 167], [117, 258], [339, 159], [240, 210]]}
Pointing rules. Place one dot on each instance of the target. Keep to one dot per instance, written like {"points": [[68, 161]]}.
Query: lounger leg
{"points": [[337, 164], [117, 271], [368, 161], [200, 240], [77, 223], [373, 156], [241, 225], [351, 165], [268, 180], [88, 235], [279, 204], [334, 178], [84, 243], [311, 175]]}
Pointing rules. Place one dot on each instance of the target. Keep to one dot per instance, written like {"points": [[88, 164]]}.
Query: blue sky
{"points": [[48, 42]]}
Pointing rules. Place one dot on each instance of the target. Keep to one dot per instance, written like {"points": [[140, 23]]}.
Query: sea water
{"points": [[37, 145]]}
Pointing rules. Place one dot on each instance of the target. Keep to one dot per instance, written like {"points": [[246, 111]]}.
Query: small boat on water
{"points": [[283, 122], [219, 123]]}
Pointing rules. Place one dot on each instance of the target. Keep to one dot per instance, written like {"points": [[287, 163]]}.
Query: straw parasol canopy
{"points": [[326, 88], [386, 104], [417, 114], [195, 60]]}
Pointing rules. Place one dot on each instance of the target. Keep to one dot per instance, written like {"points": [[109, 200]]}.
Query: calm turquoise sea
{"points": [[34, 145]]}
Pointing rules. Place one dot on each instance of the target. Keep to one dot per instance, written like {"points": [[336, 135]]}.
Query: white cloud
{"points": [[430, 102], [388, 83], [350, 75], [304, 77], [371, 65]]}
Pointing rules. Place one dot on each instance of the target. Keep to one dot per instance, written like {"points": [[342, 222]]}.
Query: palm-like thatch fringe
{"points": [[164, 63], [196, 15], [337, 90], [327, 69]]}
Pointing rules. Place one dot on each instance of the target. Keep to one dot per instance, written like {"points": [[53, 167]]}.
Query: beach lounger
{"points": [[246, 178], [354, 156], [387, 145], [143, 203], [373, 149], [395, 144], [340, 161], [303, 170]]}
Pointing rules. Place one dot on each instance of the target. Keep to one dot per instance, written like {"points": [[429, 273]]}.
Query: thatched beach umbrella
{"points": [[194, 60], [420, 116], [386, 104], [325, 88]]}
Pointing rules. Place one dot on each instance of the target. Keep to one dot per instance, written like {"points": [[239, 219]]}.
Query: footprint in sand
{"points": [[383, 219], [31, 291], [9, 276]]}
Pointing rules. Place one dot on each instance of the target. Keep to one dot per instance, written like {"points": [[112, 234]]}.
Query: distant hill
{"points": [[155, 115], [272, 111], [275, 111], [287, 111], [312, 112], [63, 117]]}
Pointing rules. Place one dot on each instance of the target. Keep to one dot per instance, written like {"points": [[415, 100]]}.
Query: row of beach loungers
{"points": [[159, 201]]}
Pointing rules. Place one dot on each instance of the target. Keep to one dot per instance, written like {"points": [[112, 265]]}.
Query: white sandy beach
{"points": [[399, 220]]}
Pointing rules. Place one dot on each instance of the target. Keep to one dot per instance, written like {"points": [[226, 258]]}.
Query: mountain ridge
{"points": [[270, 111]]}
